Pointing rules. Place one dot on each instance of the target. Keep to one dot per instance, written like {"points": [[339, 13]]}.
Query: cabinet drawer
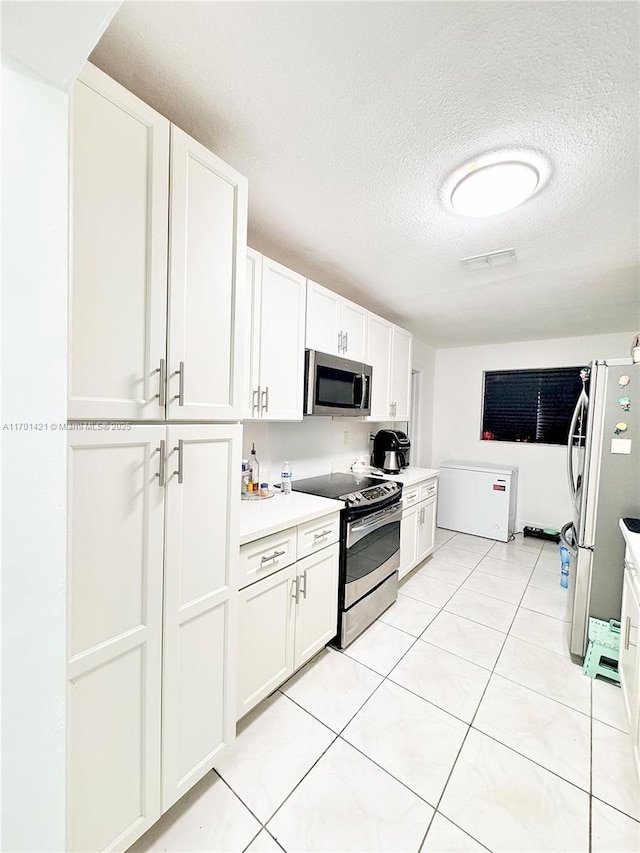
{"points": [[428, 489], [266, 555], [317, 534], [410, 496]]}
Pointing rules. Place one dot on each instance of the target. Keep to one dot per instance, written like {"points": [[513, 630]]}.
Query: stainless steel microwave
{"points": [[335, 385]]}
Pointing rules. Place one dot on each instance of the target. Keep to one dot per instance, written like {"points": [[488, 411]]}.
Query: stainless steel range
{"points": [[369, 546]]}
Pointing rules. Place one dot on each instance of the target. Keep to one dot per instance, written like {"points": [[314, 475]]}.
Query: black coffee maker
{"points": [[391, 451]]}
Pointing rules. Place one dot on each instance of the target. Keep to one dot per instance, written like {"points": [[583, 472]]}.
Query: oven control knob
{"points": [[359, 495]]}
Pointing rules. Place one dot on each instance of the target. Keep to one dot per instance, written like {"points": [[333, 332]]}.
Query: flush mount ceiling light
{"points": [[495, 182]]}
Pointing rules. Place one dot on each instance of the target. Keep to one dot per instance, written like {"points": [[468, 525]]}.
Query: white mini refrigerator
{"points": [[477, 498]]}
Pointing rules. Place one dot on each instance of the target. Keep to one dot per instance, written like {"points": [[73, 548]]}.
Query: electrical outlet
{"points": [[345, 437]]}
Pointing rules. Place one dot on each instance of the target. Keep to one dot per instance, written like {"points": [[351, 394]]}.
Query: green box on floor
{"points": [[604, 649]]}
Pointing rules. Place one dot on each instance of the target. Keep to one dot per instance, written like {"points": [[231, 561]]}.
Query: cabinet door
{"points": [[251, 312], [118, 273], [281, 342], [629, 657], [317, 611], [426, 528], [323, 319], [401, 373], [379, 343], [408, 541], [207, 268], [266, 637], [200, 602], [115, 518], [353, 324]]}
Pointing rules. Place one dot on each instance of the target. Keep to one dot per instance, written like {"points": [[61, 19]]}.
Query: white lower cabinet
{"points": [[426, 523], [200, 601], [418, 525], [151, 689], [408, 540], [266, 628], [629, 654], [284, 619]]}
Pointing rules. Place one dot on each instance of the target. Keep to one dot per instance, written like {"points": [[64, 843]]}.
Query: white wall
{"points": [[543, 495], [312, 446], [34, 350]]}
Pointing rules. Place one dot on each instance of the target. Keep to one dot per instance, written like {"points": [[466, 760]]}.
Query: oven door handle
{"points": [[356, 532]]}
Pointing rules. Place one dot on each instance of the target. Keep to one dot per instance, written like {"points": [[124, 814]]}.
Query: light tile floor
{"points": [[457, 722]]}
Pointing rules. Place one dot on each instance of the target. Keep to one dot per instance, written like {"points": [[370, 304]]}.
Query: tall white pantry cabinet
{"points": [[158, 264]]}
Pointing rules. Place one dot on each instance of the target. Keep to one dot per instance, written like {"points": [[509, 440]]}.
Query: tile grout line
{"points": [[387, 676], [591, 768], [464, 740]]}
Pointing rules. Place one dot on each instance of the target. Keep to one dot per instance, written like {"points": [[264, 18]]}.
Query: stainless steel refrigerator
{"points": [[604, 480]]}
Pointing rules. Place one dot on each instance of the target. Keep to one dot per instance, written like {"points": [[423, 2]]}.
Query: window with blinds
{"points": [[532, 406]]}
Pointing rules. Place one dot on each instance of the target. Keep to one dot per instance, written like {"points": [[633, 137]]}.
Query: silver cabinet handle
{"points": [[346, 342], [324, 533], [180, 469], [180, 395], [162, 383], [161, 465], [296, 589], [255, 403], [339, 341], [304, 588], [265, 398], [273, 556], [627, 632]]}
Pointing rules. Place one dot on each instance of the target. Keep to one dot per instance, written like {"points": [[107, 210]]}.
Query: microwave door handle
{"points": [[365, 388]]}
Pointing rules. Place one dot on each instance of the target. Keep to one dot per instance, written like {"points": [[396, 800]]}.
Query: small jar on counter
{"points": [[264, 490]]}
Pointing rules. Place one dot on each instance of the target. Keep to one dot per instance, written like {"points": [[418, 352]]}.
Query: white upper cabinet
{"points": [[380, 343], [157, 276], [274, 305], [389, 352], [334, 324], [208, 241], [118, 295], [401, 355]]}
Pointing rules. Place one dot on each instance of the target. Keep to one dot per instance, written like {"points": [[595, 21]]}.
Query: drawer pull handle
{"points": [[161, 475], [304, 588], [295, 593], [627, 633], [180, 395], [255, 400], [273, 556], [162, 383], [322, 535], [180, 469]]}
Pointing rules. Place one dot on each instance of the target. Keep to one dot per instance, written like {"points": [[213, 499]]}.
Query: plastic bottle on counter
{"points": [[285, 479], [245, 477], [254, 472], [565, 561]]}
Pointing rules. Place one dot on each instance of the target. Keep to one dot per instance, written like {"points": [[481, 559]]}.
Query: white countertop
{"points": [[408, 476], [261, 518]]}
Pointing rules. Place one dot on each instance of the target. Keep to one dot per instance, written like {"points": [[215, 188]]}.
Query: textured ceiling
{"points": [[347, 117]]}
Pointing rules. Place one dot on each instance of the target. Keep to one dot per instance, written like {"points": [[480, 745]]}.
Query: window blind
{"points": [[532, 406]]}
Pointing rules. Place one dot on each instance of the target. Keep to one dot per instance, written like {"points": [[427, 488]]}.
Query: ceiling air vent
{"points": [[490, 259]]}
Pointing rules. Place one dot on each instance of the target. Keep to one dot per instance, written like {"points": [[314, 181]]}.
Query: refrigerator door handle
{"points": [[581, 405], [568, 538], [572, 429]]}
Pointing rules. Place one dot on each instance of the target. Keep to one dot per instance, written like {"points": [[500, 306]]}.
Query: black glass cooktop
{"points": [[335, 485]]}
